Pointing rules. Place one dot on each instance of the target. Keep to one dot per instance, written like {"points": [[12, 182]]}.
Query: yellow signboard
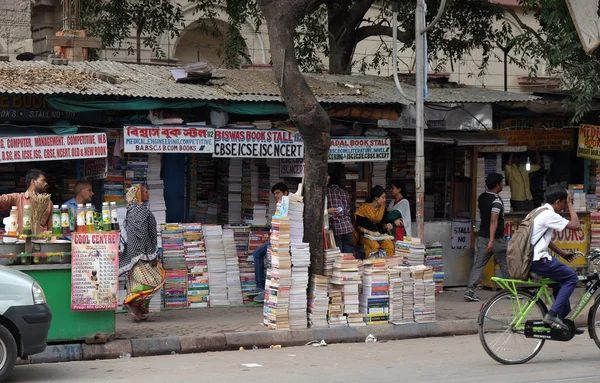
{"points": [[588, 144], [536, 134], [569, 240]]}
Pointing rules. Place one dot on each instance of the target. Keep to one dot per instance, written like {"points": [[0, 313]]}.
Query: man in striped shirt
{"points": [[490, 239]]}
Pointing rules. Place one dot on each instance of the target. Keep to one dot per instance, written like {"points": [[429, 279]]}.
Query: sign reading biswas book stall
{"points": [[95, 271], [248, 143], [168, 139], [53, 148]]}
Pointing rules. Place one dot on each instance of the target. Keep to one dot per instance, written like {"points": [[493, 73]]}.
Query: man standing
{"points": [[544, 225], [490, 240], [36, 183], [340, 216], [517, 175], [83, 195], [260, 253]]}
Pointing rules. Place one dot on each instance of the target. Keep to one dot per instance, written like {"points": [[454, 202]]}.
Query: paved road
{"points": [[451, 360]]}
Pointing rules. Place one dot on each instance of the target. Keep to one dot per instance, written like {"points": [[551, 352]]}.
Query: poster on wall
{"points": [[359, 149], [248, 143], [461, 234], [168, 139], [95, 168], [588, 143], [291, 168], [95, 269], [53, 148]]}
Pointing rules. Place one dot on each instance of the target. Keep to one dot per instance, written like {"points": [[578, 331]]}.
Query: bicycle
{"points": [[518, 323]]}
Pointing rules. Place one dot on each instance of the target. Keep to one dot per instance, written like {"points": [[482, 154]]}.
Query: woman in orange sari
{"points": [[367, 221]]}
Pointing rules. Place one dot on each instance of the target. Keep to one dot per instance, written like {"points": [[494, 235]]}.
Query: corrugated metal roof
{"points": [[108, 78]]}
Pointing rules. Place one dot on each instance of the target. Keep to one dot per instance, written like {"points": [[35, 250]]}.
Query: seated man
{"points": [[544, 226], [260, 253]]}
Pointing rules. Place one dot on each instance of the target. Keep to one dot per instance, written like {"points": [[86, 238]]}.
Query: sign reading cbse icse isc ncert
{"points": [[168, 139], [248, 143]]}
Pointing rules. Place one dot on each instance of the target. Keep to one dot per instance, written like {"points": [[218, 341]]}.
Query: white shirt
{"points": [[547, 222]]}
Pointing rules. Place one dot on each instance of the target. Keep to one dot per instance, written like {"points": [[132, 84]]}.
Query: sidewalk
{"points": [[220, 329]]}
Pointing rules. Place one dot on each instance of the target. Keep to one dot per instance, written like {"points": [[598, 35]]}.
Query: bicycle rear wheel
{"points": [[594, 322], [502, 341]]}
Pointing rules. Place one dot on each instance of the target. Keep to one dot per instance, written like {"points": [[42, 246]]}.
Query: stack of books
{"points": [[434, 259], [505, 197], [217, 266], [396, 296], [246, 264], [346, 275], [335, 311], [402, 250], [318, 302], [234, 289], [416, 256], [330, 256], [300, 262], [595, 229], [379, 172], [175, 288], [197, 266], [408, 295], [114, 186], [424, 294], [279, 276], [274, 178], [579, 197], [374, 297], [206, 190], [235, 192]]}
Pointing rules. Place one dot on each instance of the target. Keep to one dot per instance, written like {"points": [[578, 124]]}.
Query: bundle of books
{"points": [[173, 252], [396, 296], [114, 186], [279, 276], [318, 302], [346, 277], [379, 172], [416, 255], [246, 263], [579, 197], [335, 311], [330, 256], [505, 196], [408, 295], [424, 294], [595, 229], [217, 266], [402, 250], [374, 296], [234, 196], [234, 289], [298, 300], [433, 259], [197, 266]]}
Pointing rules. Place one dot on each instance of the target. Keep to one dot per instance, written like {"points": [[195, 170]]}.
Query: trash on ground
{"points": [[316, 343], [251, 365], [370, 339]]}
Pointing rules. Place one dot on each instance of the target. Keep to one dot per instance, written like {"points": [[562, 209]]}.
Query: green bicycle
{"points": [[511, 329]]}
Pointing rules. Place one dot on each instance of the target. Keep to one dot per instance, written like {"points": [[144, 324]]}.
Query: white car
{"points": [[24, 318]]}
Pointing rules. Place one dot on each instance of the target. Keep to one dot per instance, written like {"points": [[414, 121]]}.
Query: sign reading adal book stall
{"points": [[168, 139]]}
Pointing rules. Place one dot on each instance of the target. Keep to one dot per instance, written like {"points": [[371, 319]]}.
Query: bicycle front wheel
{"points": [[501, 339], [594, 322]]}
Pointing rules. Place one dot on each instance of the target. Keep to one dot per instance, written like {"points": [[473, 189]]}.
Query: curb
{"points": [[234, 340]]}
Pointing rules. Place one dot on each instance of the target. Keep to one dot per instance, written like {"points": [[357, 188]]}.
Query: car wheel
{"points": [[8, 353]]}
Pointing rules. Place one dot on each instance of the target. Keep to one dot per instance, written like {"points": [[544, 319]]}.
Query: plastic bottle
{"points": [[56, 225], [13, 222], [114, 216], [106, 221], [27, 220], [89, 218], [65, 221], [80, 219]]}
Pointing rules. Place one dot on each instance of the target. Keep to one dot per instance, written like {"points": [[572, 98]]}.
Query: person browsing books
{"points": [[368, 224], [260, 253], [340, 217]]}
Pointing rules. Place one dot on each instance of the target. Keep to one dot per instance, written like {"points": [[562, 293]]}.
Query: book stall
{"points": [[75, 260]]}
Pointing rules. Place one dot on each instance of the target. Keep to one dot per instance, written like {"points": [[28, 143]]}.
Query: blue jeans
{"points": [[345, 243], [260, 254], [565, 279]]}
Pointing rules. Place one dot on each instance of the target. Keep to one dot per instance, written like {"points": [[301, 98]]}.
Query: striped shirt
{"points": [[491, 203]]}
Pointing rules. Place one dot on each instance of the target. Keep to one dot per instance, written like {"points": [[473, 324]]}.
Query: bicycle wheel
{"points": [[503, 342], [594, 322]]}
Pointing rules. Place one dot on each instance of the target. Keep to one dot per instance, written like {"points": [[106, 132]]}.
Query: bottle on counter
{"points": [[114, 216], [80, 219], [27, 220], [106, 221], [12, 224], [65, 220], [56, 225], [89, 218]]}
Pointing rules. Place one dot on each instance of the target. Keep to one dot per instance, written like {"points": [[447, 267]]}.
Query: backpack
{"points": [[519, 254]]}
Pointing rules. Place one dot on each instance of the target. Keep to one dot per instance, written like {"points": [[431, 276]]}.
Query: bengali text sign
{"points": [[168, 139]]}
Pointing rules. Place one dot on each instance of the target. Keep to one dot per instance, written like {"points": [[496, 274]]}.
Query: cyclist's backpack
{"points": [[519, 254]]}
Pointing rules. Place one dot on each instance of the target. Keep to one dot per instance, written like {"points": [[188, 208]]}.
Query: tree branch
{"points": [[521, 24], [357, 12], [362, 33]]}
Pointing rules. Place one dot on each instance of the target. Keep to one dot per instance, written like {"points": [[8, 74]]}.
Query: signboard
{"points": [[569, 240], [168, 139], [588, 144], [461, 234], [248, 143], [52, 148], [359, 149], [95, 168], [95, 271], [536, 134], [30, 107], [291, 168]]}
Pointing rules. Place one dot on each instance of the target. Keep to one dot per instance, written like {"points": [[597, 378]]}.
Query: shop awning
{"points": [[409, 135], [474, 138]]}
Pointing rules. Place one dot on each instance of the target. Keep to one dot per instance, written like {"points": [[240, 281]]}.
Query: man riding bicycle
{"points": [[544, 264]]}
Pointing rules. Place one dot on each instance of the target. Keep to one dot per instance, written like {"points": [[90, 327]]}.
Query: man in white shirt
{"points": [[544, 226]]}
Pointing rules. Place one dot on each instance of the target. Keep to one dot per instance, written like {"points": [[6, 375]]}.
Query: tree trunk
{"points": [[310, 118], [341, 41], [340, 57]]}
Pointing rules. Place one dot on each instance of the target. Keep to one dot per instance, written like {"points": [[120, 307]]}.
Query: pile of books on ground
{"points": [[335, 311], [330, 256], [346, 279], [433, 259], [232, 267], [318, 302], [217, 266], [374, 296], [197, 266], [279, 276], [416, 255], [300, 263], [402, 250], [246, 263], [175, 288], [424, 294]]}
